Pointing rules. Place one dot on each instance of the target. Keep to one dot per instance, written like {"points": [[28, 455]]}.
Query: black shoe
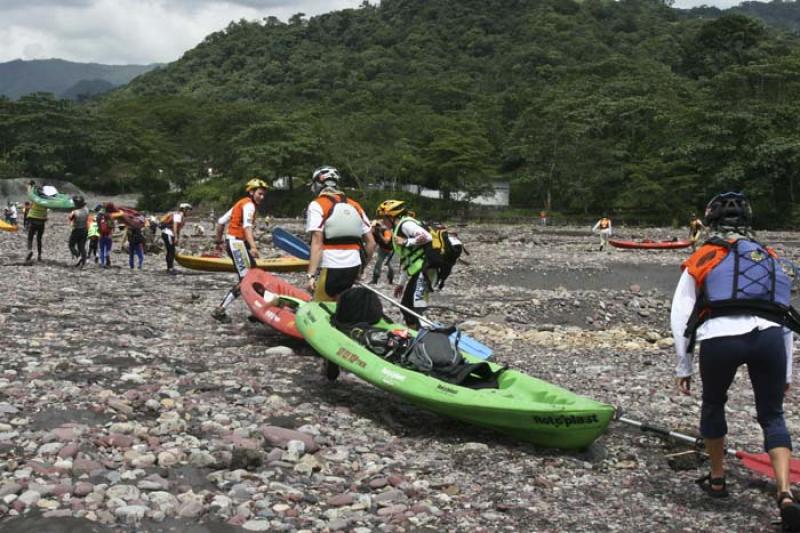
{"points": [[331, 370], [220, 315], [29, 257]]}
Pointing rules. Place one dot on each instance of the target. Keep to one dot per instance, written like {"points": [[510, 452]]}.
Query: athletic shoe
{"points": [[29, 257], [220, 315]]}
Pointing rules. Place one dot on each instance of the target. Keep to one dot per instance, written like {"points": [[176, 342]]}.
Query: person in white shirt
{"points": [[171, 226], [340, 231], [603, 228], [725, 302]]}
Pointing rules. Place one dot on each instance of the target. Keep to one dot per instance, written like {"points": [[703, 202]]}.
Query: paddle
{"points": [[291, 244], [757, 462], [466, 343]]}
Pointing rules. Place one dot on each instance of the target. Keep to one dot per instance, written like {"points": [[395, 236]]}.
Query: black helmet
{"points": [[729, 209], [78, 201]]}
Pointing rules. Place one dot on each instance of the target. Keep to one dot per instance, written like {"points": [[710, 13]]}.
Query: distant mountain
{"points": [[64, 78], [778, 13]]}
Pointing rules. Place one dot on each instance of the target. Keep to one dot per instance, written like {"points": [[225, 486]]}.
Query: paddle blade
{"points": [[290, 244], [760, 463]]}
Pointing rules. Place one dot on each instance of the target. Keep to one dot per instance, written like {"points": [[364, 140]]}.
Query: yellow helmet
{"points": [[391, 208], [256, 183]]}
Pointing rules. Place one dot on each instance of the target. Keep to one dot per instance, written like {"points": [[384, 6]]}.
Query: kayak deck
{"points": [[523, 406], [225, 264]]}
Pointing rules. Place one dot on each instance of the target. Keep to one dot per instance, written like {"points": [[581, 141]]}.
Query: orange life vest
{"points": [[236, 225], [167, 221]]}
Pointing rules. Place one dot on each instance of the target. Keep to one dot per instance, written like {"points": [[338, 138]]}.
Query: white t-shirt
{"points": [[722, 326], [248, 217], [334, 258]]}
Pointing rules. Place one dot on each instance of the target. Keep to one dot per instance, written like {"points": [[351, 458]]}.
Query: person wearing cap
{"points": [[239, 242], [171, 225], [340, 231], [79, 218], [733, 299], [37, 218]]}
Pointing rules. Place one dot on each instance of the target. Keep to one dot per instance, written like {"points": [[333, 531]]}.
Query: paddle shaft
{"points": [[398, 304], [646, 428]]}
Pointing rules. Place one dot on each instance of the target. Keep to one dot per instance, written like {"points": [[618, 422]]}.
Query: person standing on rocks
{"points": [[93, 233], [135, 238], [409, 238], [105, 226], [37, 218], [603, 228], [340, 233], [385, 250], [239, 240], [696, 228], [171, 226], [734, 299], [79, 218]]}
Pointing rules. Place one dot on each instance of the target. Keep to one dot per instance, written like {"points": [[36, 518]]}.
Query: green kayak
{"points": [[523, 406], [53, 201]]}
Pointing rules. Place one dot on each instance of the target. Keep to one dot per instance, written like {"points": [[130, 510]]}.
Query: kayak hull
{"points": [[5, 226], [523, 406], [649, 245], [282, 316], [225, 264], [59, 201], [130, 217]]}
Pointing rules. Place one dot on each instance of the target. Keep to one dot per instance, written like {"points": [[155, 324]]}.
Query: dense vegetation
{"points": [[625, 107]]}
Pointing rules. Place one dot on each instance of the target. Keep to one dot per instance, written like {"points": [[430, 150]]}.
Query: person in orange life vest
{"points": [[734, 299], [696, 227], [385, 250], [171, 226], [239, 240], [339, 230], [603, 227]]}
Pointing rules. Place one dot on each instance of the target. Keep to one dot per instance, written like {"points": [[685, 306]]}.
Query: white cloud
{"points": [[130, 31]]}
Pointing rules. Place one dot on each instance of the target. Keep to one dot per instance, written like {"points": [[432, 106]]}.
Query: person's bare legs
{"points": [[716, 455]]}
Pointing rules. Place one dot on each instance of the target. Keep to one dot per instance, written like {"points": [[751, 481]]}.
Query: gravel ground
{"points": [[124, 406]]}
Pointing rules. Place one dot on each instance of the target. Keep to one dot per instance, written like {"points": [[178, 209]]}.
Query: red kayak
{"points": [[647, 244], [130, 217], [281, 316]]}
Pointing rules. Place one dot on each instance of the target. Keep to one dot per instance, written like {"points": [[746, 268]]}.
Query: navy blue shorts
{"points": [[764, 353]]}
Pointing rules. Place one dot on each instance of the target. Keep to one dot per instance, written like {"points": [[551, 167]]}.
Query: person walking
{"points": [[603, 228], [37, 219], [385, 250], [240, 242], [105, 227], [171, 225], [93, 233], [409, 239], [135, 238], [696, 228], [340, 231], [79, 218], [734, 300]]}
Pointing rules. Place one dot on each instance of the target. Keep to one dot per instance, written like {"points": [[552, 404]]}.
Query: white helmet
{"points": [[324, 177], [185, 207]]}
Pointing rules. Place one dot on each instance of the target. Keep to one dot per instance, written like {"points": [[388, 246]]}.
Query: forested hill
{"points": [[784, 14], [67, 78], [618, 106]]}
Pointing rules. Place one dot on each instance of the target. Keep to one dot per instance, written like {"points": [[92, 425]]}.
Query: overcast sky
{"points": [[143, 31]]}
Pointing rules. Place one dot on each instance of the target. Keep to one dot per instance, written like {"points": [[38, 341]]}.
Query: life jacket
{"points": [[383, 237], [104, 224], [94, 231], [38, 212], [342, 220], [236, 225], [604, 223], [412, 260], [166, 221], [740, 277]]}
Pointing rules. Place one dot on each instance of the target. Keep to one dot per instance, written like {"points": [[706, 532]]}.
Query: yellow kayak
{"points": [[4, 226], [225, 264]]}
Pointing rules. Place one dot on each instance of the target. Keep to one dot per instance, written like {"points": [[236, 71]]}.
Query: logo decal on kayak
{"points": [[349, 356], [392, 375], [565, 420], [448, 390]]}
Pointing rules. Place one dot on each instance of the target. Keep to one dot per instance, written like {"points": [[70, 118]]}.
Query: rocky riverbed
{"points": [[125, 406]]}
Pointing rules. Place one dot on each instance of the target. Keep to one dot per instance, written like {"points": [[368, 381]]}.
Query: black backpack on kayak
{"points": [[357, 306]]}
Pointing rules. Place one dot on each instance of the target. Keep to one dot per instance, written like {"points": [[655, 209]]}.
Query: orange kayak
{"points": [[225, 264]]}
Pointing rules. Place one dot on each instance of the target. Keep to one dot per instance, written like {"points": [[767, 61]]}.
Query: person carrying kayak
{"points": [[603, 228], [239, 240], [340, 232], [79, 217], [171, 225], [696, 228], [37, 218], [409, 238], [135, 238], [385, 250], [105, 227], [734, 299]]}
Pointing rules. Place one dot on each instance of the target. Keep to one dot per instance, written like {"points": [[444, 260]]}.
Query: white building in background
{"points": [[498, 198]]}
